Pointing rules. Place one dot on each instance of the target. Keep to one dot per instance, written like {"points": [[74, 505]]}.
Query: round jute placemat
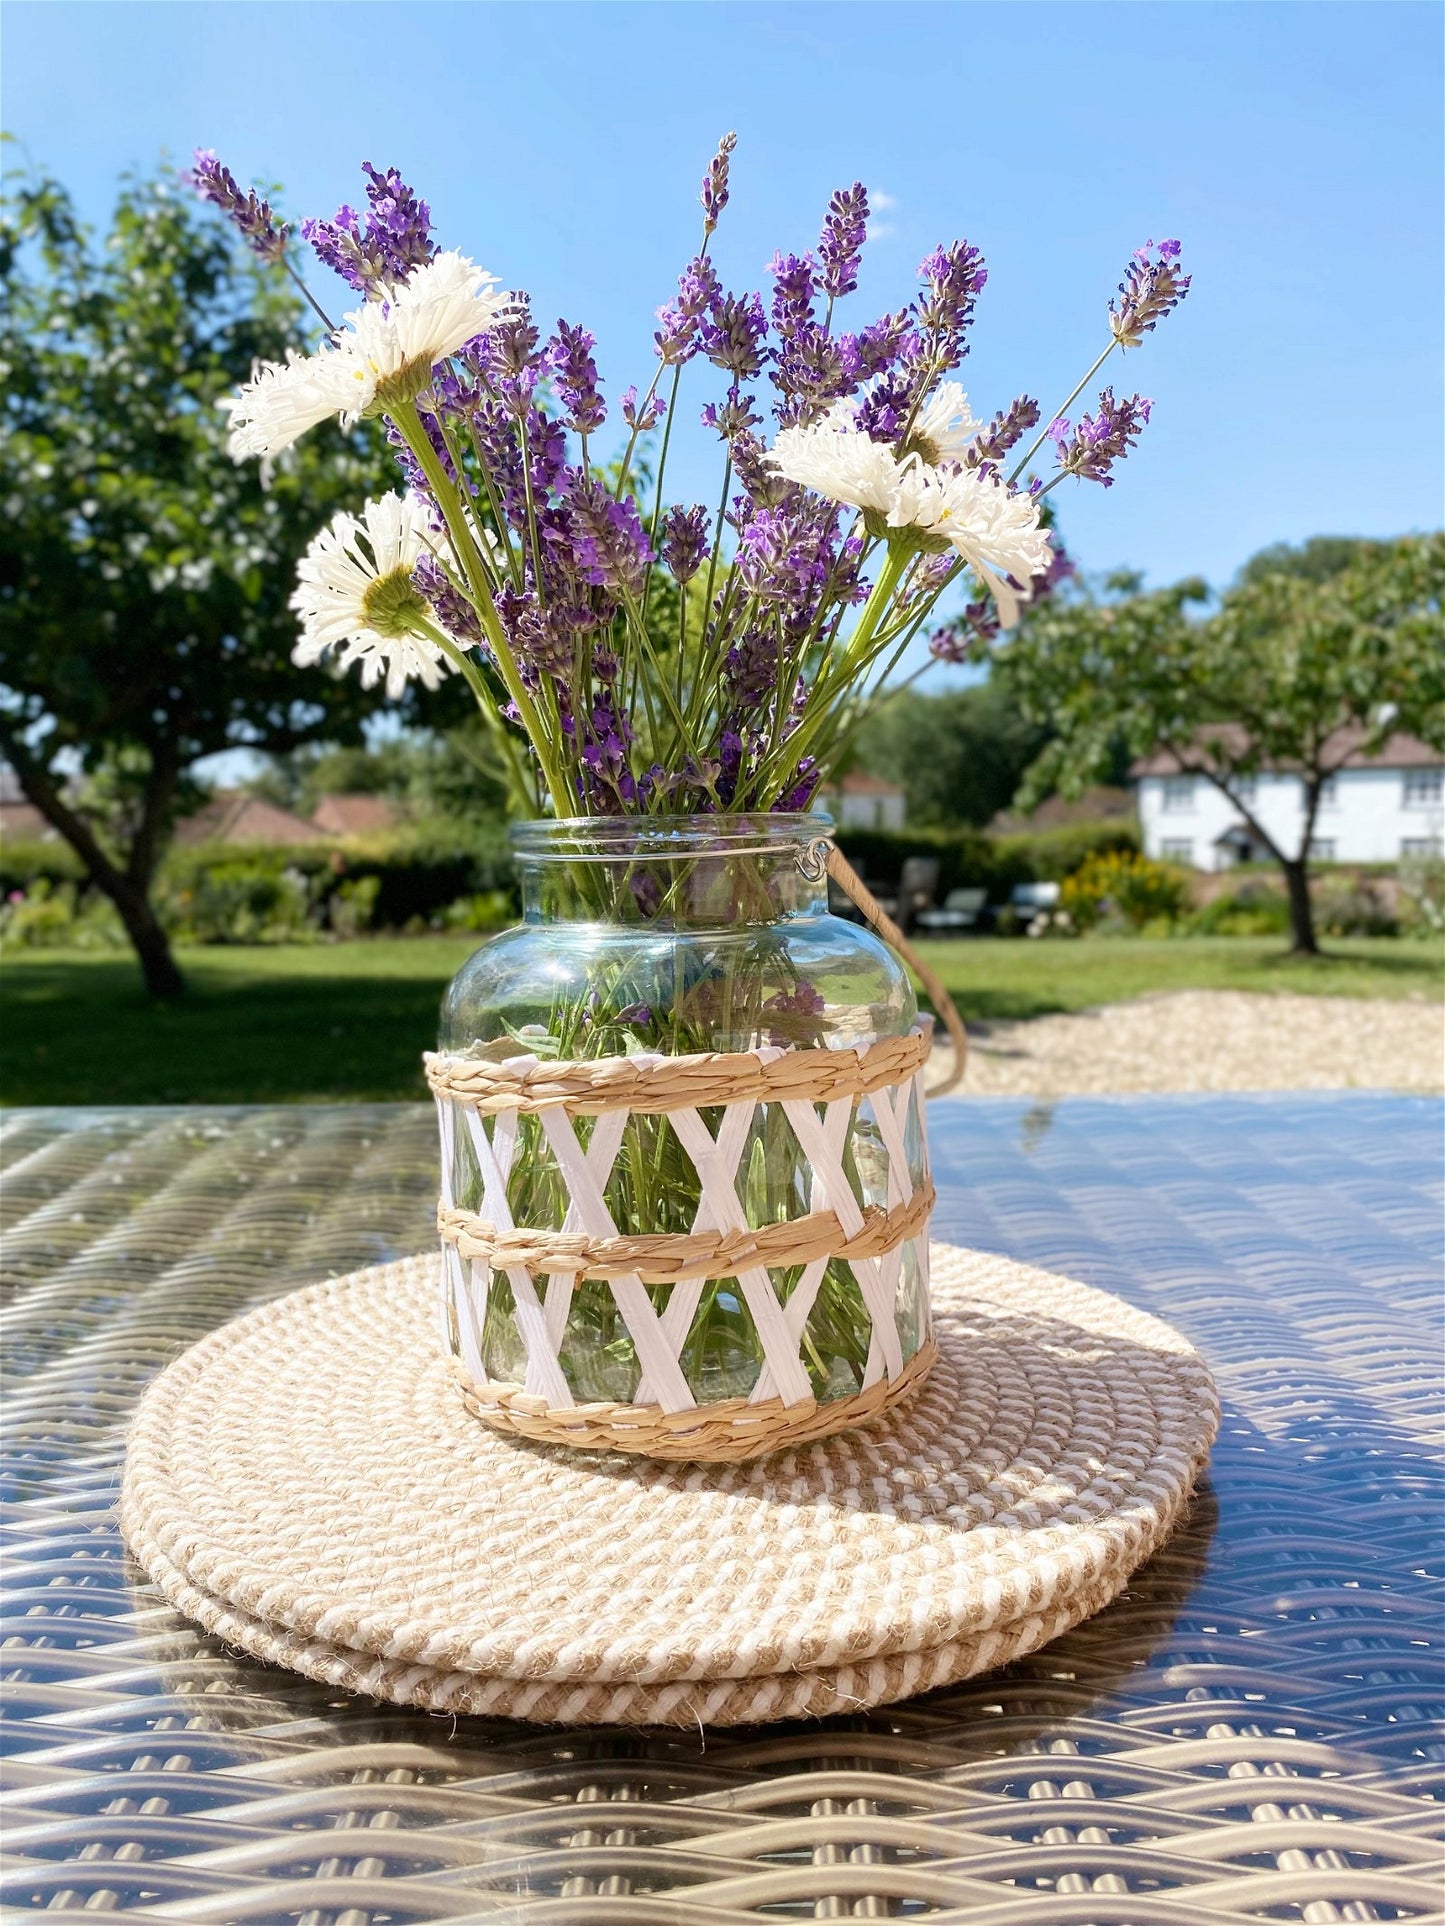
{"points": [[307, 1484]]}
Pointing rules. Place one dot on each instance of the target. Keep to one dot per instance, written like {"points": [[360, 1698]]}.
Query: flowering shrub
{"points": [[1122, 885], [1256, 908], [242, 900], [629, 654], [48, 915]]}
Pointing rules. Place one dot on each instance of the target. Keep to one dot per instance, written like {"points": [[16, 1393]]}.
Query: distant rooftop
{"points": [[1342, 751]]}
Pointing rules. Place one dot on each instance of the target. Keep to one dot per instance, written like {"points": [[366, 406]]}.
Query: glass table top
{"points": [[1250, 1733]]}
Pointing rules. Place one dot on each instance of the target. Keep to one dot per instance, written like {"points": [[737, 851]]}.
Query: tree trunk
{"points": [[127, 889], [150, 942], [1301, 909]]}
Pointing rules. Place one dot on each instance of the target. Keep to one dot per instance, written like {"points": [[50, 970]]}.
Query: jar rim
{"points": [[662, 838]]}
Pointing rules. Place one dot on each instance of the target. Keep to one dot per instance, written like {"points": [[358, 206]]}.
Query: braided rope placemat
{"points": [[307, 1484]]}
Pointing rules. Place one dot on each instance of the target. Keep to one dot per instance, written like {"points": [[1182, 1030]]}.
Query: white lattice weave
{"points": [[822, 1095], [306, 1484]]}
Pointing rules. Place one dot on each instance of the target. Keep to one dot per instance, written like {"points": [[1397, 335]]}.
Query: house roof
{"points": [[22, 822], [1100, 803], [231, 816], [1342, 751], [353, 815]]}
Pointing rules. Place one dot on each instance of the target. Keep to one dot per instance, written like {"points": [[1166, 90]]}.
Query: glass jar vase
{"points": [[644, 941]]}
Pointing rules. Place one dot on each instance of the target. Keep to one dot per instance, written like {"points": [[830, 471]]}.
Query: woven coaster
{"points": [[307, 1484]]}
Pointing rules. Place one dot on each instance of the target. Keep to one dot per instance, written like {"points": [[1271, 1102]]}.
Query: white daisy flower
{"points": [[354, 595], [283, 399], [996, 531], [396, 342], [943, 428], [384, 354], [835, 458]]}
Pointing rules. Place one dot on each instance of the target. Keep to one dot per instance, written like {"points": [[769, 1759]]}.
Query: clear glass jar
{"points": [[675, 936]]}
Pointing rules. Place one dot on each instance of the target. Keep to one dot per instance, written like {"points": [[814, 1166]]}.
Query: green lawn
{"points": [[334, 1022]]}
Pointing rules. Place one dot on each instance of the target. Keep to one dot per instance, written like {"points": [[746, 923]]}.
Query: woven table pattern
{"points": [[1250, 1734]]}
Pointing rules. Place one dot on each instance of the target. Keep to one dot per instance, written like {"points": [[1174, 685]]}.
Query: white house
{"points": [[863, 801], [1375, 809]]}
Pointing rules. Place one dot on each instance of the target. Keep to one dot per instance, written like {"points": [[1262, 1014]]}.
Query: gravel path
{"points": [[1213, 1040]]}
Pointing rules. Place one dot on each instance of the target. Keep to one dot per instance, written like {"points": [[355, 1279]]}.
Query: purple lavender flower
{"points": [[697, 288], [1008, 426], [813, 368], [1150, 290], [765, 486], [608, 542], [732, 333], [714, 196], [453, 610], [647, 416], [795, 1013], [953, 277], [684, 541], [253, 216], [885, 341], [395, 238], [967, 639], [793, 290], [541, 644], [507, 355], [1090, 450], [1061, 568], [884, 410], [805, 787], [734, 416], [569, 353], [840, 245], [752, 667]]}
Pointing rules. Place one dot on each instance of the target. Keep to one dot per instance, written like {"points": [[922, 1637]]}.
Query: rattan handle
{"points": [[853, 886]]}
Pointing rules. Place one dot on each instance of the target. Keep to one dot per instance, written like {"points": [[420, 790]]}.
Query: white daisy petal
{"points": [[946, 424], [395, 340], [835, 458], [354, 597]]}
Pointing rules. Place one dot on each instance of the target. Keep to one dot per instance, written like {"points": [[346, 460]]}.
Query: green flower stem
{"points": [[409, 426], [523, 785], [1068, 402], [855, 657]]}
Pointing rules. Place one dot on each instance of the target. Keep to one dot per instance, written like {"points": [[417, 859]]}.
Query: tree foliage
{"points": [[144, 576], [1290, 672], [958, 756]]}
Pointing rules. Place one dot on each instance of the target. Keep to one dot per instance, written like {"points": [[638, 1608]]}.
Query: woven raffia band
{"points": [[307, 1485], [660, 1085]]}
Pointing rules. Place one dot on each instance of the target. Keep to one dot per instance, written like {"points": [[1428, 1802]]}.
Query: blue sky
{"points": [[1294, 148]]}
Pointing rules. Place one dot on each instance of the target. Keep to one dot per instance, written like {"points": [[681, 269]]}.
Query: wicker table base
{"points": [[307, 1484]]}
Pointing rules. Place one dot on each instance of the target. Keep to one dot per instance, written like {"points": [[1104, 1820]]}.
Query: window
{"points": [[1322, 849], [1176, 849], [1330, 793], [1422, 786], [1431, 848], [1178, 794], [1246, 788]]}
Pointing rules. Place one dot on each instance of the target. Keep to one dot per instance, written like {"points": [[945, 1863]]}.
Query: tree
{"points": [[1316, 560], [1288, 673], [958, 756], [144, 576]]}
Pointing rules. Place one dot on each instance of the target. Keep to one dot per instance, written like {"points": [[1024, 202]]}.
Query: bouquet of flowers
{"points": [[671, 683], [631, 656]]}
